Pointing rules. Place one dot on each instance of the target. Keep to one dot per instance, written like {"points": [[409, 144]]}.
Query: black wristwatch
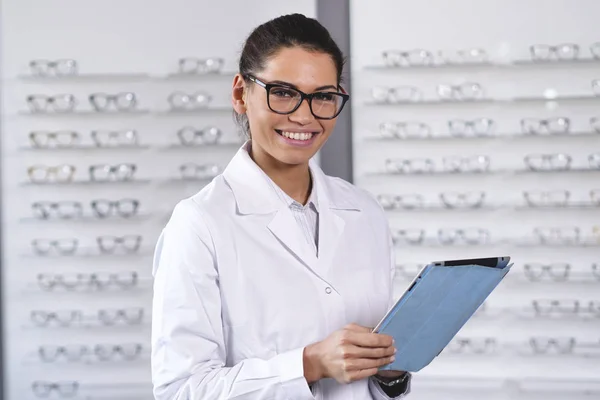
{"points": [[391, 381]]}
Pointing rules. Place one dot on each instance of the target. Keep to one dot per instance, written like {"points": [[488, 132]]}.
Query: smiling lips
{"points": [[302, 136]]}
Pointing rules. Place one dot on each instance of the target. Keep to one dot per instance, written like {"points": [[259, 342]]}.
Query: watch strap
{"points": [[391, 381]]}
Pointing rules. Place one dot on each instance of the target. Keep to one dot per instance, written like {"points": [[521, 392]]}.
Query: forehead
{"points": [[305, 69]]}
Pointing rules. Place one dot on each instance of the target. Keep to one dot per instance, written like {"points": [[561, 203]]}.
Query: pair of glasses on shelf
{"points": [[181, 101], [554, 345], [99, 352], [451, 164], [556, 198], [102, 208], [60, 389], [468, 91], [472, 345], [53, 68], [65, 173], [190, 136], [423, 57], [556, 272], [445, 236], [557, 235], [99, 281], [564, 307], [200, 66], [65, 103], [107, 244], [450, 200], [193, 171], [418, 129], [561, 52], [104, 316], [116, 172], [68, 139], [553, 126], [557, 161]]}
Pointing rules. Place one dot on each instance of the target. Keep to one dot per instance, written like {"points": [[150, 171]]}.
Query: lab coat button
{"points": [[328, 290]]}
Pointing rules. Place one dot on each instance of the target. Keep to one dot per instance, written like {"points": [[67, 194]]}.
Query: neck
{"points": [[294, 180]]}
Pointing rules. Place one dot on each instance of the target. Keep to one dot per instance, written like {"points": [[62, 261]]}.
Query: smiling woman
{"points": [[268, 281]]}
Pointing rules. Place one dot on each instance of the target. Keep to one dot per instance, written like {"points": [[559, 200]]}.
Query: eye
{"points": [[283, 92], [324, 96]]}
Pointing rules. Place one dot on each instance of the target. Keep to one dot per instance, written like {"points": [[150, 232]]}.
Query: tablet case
{"points": [[435, 307]]}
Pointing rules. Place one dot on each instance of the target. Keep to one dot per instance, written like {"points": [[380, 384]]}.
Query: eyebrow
{"points": [[296, 87]]}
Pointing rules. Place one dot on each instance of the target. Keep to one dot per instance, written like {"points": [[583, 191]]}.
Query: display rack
{"points": [[485, 142], [78, 243]]}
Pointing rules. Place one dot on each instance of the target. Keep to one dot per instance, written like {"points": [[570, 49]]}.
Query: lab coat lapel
{"points": [[254, 195], [286, 230], [331, 230], [336, 208]]}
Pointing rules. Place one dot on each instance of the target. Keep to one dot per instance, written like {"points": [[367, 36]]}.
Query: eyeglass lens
{"points": [[286, 100]]}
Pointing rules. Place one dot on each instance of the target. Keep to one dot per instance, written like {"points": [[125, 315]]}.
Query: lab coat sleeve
{"points": [[374, 387], [188, 349]]}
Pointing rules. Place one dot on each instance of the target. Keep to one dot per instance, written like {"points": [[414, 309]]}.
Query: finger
{"points": [[362, 374], [352, 351], [366, 339], [357, 328], [366, 363]]}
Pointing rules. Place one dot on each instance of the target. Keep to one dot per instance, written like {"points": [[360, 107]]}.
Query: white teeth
{"points": [[297, 135]]}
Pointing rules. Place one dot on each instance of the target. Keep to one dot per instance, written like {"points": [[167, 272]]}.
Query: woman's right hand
{"points": [[347, 355]]}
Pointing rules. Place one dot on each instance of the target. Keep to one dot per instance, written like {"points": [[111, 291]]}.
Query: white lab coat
{"points": [[239, 293]]}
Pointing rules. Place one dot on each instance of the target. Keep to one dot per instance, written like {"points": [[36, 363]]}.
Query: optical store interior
{"points": [[475, 123]]}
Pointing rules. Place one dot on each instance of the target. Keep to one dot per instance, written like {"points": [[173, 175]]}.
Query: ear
{"points": [[238, 97]]}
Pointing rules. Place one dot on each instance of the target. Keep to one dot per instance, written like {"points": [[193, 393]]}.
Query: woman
{"points": [[267, 280]]}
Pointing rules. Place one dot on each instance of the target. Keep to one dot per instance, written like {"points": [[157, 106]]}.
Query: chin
{"points": [[299, 158]]}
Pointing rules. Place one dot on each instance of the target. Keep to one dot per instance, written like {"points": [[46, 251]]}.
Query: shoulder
{"points": [[198, 211]]}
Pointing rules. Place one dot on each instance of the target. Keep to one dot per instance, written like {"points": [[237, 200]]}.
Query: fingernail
{"points": [[393, 359], [395, 350]]}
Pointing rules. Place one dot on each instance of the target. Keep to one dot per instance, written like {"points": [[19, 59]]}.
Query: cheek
{"points": [[328, 127], [262, 122], [259, 116]]}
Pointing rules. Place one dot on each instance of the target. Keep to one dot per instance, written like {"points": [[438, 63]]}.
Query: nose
{"points": [[302, 115]]}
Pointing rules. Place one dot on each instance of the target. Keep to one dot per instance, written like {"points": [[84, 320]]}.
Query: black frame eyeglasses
{"points": [[327, 98]]}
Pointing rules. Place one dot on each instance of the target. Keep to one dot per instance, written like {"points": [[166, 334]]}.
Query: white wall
{"points": [[504, 29], [111, 37]]}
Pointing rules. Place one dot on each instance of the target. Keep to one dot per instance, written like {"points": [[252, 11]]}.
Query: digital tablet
{"points": [[438, 302]]}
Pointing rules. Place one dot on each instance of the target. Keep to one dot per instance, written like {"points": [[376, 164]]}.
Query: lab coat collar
{"points": [[254, 195]]}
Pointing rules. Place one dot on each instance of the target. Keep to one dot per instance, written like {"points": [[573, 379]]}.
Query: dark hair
{"points": [[286, 31]]}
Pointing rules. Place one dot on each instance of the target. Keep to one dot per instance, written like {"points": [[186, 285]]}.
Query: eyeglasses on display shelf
{"points": [[104, 317], [85, 281], [85, 354], [200, 66], [105, 245]]}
